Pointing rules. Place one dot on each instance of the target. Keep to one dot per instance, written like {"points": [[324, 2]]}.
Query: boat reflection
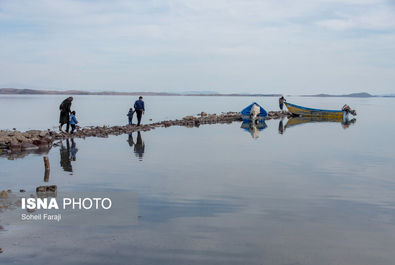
{"points": [[139, 145], [295, 121], [68, 153], [253, 127]]}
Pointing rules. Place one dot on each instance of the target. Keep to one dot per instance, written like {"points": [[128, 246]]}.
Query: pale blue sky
{"points": [[273, 46]]}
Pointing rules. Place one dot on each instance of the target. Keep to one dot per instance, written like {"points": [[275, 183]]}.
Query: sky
{"points": [[227, 46]]}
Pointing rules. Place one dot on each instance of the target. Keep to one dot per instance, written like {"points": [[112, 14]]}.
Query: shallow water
{"points": [[319, 193], [25, 112]]}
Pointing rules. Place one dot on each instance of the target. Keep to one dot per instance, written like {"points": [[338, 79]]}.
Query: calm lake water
{"points": [[317, 193]]}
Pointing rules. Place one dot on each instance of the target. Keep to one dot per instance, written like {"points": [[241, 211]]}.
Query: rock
{"points": [[188, 118], [21, 190], [41, 189], [42, 142], [3, 194], [34, 132], [52, 188]]}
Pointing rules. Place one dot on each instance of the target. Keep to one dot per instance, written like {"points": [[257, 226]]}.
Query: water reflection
{"points": [[348, 122], [296, 121], [23, 154], [68, 154], [281, 126], [130, 140], [73, 150], [139, 145], [253, 127]]}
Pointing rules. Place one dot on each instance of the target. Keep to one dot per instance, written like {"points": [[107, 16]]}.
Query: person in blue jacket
{"points": [[139, 109], [130, 116], [73, 121]]}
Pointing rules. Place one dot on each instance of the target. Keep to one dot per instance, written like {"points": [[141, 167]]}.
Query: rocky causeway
{"points": [[40, 141]]}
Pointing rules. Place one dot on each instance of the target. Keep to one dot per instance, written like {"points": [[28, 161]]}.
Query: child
{"points": [[73, 121], [130, 116]]}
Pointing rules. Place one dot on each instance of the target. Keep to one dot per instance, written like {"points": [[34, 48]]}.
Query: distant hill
{"points": [[16, 91], [199, 93], [352, 95], [22, 91]]}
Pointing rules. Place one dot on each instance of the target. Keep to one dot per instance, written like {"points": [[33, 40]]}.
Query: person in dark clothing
{"points": [[130, 116], [281, 102], [140, 109], [64, 113]]}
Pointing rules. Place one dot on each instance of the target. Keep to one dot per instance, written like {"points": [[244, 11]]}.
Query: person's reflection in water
{"points": [[73, 150], [65, 162], [281, 126], [139, 147], [130, 140]]}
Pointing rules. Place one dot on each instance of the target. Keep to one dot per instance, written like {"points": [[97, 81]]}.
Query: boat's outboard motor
{"points": [[348, 110]]}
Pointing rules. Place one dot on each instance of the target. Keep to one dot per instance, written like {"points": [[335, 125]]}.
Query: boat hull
{"points": [[303, 111], [246, 111]]}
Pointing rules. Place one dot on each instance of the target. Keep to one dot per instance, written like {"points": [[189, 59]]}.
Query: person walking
{"points": [[130, 116], [281, 102], [73, 121], [64, 113], [140, 109]]}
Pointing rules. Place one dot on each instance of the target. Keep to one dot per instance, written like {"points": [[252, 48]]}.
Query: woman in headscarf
{"points": [[64, 113]]}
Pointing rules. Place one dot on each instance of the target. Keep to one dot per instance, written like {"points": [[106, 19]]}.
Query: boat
{"points": [[246, 111], [303, 111]]}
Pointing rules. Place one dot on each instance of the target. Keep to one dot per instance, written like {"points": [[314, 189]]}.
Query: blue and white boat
{"points": [[246, 111]]}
